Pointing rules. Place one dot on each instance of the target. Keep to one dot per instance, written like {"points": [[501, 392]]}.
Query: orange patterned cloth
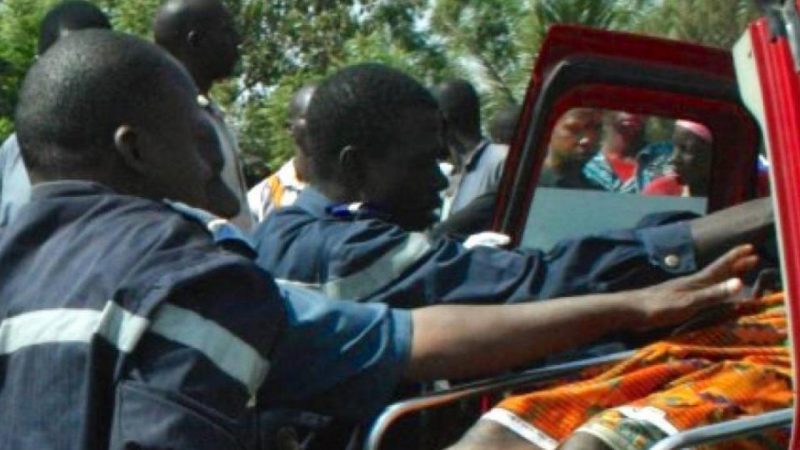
{"points": [[740, 366]]}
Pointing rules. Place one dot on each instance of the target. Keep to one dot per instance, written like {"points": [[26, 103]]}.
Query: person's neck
{"points": [[204, 86], [334, 192], [203, 81], [300, 164], [471, 142], [117, 179], [618, 147], [561, 166]]}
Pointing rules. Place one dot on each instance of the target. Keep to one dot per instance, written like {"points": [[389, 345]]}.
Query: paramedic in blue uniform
{"points": [[374, 134], [123, 323]]}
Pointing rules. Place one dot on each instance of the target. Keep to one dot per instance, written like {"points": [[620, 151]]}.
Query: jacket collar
{"points": [[316, 203], [68, 188]]}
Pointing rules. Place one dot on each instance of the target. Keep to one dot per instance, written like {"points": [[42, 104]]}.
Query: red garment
{"points": [[664, 185], [624, 168]]}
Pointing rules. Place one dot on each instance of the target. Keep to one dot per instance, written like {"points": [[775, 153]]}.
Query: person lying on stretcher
{"points": [[739, 366]]}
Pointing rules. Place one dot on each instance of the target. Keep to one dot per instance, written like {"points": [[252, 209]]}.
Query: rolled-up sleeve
{"points": [[670, 247], [337, 357], [619, 260]]}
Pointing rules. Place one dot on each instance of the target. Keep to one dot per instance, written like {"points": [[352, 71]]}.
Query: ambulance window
{"points": [[607, 170]]}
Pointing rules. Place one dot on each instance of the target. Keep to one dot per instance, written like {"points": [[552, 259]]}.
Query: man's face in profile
{"points": [[403, 178], [221, 200]]}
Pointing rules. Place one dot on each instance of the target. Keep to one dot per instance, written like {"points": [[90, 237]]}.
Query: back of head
{"points": [[201, 34], [461, 107], [504, 123], [359, 106], [82, 90], [298, 105], [72, 15], [175, 18], [298, 127]]}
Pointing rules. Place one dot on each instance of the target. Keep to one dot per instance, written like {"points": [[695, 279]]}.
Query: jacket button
{"points": [[672, 261]]}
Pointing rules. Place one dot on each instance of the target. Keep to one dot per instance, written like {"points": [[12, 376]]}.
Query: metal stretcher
{"points": [[531, 378]]}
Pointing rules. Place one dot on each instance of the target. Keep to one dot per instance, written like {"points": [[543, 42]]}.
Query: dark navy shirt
{"points": [[123, 325], [359, 256]]}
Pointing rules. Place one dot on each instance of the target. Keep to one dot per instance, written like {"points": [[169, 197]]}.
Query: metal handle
{"points": [[394, 412], [727, 430]]}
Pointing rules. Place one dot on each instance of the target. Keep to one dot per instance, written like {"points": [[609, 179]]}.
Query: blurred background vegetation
{"points": [[288, 43]]}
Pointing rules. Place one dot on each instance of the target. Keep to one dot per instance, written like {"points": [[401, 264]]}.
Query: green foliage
{"points": [[289, 43], [481, 33], [716, 23], [6, 128], [502, 38], [134, 17], [19, 25]]}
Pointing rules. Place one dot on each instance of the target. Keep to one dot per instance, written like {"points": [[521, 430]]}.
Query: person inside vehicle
{"points": [[573, 142], [625, 163], [120, 312], [60, 20], [504, 123], [283, 187], [480, 162], [201, 34], [355, 232], [691, 162]]}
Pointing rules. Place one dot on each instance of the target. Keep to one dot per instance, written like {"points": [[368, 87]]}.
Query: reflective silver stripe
{"points": [[380, 273], [227, 351], [298, 284], [118, 326]]}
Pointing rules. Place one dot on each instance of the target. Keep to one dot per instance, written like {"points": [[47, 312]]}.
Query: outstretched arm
{"points": [[715, 233], [463, 341]]}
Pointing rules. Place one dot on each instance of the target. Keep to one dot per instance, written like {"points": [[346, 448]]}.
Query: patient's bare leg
{"points": [[583, 441], [488, 435]]}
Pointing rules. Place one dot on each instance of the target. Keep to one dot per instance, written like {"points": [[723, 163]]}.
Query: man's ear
{"points": [[351, 164], [128, 143], [193, 38]]}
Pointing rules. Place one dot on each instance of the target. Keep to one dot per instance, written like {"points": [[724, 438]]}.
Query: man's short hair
{"points": [[176, 18], [460, 105], [69, 15], [78, 93], [359, 106]]}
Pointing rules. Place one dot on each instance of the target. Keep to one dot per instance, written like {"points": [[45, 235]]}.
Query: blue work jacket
{"points": [[350, 253], [124, 325]]}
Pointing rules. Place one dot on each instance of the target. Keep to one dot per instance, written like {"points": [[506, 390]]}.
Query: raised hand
{"points": [[678, 300]]}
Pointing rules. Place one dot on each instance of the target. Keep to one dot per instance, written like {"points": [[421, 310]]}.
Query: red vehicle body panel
{"points": [[780, 88]]}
